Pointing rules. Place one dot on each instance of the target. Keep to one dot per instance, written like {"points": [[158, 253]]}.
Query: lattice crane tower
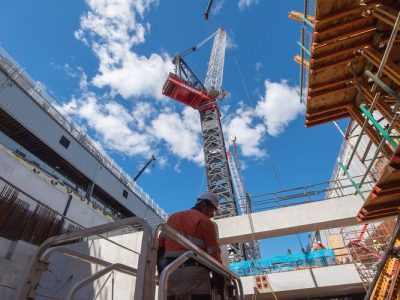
{"points": [[185, 87]]}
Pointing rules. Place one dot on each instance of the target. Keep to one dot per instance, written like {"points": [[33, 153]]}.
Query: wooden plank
{"points": [[390, 69], [342, 28], [317, 59], [339, 248], [297, 59], [337, 15], [298, 16], [318, 69], [352, 35], [331, 91], [326, 119], [329, 85]]}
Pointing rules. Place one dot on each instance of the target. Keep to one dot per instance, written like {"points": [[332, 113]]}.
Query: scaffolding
{"points": [[350, 69], [366, 245]]}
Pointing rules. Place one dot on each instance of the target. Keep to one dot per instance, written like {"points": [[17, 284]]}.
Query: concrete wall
{"points": [[324, 214], [39, 186], [325, 281], [65, 271]]}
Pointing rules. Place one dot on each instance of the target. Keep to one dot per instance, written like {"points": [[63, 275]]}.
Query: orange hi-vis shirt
{"points": [[197, 228]]}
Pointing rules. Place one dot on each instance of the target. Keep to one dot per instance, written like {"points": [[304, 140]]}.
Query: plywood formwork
{"points": [[384, 200], [345, 32]]}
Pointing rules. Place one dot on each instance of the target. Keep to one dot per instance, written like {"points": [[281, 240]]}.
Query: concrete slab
{"points": [[325, 281], [332, 213]]}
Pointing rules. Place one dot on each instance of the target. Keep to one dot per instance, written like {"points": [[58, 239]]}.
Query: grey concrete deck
{"points": [[324, 281], [331, 213]]}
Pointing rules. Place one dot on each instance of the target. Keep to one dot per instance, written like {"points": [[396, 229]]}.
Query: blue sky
{"points": [[106, 64]]}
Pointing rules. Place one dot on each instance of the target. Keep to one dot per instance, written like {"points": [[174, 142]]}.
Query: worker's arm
{"points": [[210, 239]]}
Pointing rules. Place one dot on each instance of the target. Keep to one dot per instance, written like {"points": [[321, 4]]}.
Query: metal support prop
{"points": [[380, 268], [382, 143], [304, 48], [302, 99], [308, 22], [301, 68], [383, 85], [377, 75], [356, 186], [376, 97], [378, 126]]}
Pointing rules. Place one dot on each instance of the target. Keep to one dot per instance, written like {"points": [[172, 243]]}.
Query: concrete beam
{"points": [[332, 213], [325, 281]]}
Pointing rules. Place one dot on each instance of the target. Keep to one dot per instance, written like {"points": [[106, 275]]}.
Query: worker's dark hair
{"points": [[203, 202]]}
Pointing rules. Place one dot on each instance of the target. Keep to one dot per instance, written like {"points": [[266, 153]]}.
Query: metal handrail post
{"points": [[79, 285], [37, 266], [198, 254], [163, 284], [381, 144]]}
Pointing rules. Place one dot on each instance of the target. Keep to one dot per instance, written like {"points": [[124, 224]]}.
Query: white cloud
{"points": [[111, 28], [230, 42], [258, 66], [113, 123], [246, 3], [182, 133], [217, 7], [248, 134], [279, 106]]}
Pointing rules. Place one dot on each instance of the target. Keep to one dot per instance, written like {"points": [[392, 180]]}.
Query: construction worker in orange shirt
{"points": [[192, 280]]}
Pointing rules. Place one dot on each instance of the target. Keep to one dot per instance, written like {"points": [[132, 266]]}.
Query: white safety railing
{"points": [[40, 260], [145, 272], [196, 254], [36, 91]]}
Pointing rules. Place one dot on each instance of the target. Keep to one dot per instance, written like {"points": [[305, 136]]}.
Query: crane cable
{"points": [[199, 45]]}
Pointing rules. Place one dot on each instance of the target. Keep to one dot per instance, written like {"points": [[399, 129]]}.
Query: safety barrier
{"points": [[197, 254], [39, 261], [146, 271], [285, 263]]}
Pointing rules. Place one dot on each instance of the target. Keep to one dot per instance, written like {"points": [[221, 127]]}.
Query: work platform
{"points": [[331, 213], [317, 282]]}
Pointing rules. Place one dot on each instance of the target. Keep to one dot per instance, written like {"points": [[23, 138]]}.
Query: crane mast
{"points": [[185, 87]]}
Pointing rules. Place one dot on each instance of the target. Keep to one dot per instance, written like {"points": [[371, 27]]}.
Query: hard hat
{"points": [[213, 198]]}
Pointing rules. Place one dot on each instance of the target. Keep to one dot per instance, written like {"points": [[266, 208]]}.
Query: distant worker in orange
{"points": [[192, 280], [319, 246]]}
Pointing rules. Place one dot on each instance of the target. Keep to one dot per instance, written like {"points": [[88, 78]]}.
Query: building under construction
{"points": [[74, 225], [349, 55]]}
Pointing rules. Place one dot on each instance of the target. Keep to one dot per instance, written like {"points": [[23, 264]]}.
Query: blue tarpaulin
{"points": [[282, 263]]}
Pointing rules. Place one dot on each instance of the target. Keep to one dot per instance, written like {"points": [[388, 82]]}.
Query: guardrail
{"points": [[145, 273], [36, 91], [298, 195], [195, 253], [285, 263], [39, 261]]}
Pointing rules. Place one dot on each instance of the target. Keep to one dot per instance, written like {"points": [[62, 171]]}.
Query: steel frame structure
{"points": [[216, 162]]}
